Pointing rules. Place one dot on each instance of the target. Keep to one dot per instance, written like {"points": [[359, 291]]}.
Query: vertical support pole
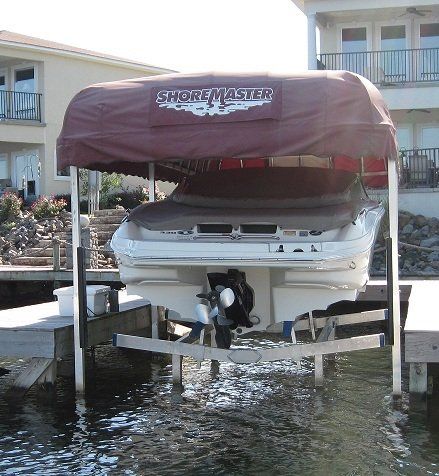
{"points": [[151, 175], [418, 382], [392, 276], [312, 41], [318, 370], [76, 241], [177, 369], [56, 255], [154, 322], [93, 191]]}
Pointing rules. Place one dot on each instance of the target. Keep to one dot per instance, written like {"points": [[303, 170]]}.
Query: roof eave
{"points": [[88, 57]]}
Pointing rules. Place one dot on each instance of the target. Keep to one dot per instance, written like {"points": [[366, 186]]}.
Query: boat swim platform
{"points": [[47, 273], [39, 333]]}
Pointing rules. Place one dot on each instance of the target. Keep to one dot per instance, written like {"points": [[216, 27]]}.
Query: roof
{"points": [[17, 39], [123, 125]]}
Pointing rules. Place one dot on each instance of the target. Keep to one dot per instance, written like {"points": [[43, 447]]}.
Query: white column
{"points": [[393, 231], [76, 240], [312, 41], [151, 182]]}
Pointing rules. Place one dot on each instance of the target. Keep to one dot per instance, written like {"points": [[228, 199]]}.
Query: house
{"points": [[395, 44], [38, 78]]}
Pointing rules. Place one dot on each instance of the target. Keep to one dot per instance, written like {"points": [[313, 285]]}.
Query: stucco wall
{"points": [[59, 78]]}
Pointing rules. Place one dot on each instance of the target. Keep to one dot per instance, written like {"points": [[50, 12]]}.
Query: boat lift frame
{"points": [[325, 344]]}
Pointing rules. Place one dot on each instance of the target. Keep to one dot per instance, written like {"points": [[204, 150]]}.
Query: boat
{"points": [[270, 199]]}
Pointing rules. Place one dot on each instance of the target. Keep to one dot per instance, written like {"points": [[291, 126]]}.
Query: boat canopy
{"points": [[185, 122]]}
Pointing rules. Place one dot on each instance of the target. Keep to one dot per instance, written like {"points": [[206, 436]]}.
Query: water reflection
{"points": [[265, 418]]}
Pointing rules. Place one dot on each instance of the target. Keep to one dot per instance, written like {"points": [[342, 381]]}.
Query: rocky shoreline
{"points": [[418, 242], [418, 247]]}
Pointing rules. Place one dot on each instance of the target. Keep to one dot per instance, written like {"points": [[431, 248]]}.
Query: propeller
{"points": [[415, 11]]}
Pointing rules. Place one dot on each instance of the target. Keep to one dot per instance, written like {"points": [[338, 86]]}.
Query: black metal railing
{"points": [[420, 167], [387, 67], [20, 106]]}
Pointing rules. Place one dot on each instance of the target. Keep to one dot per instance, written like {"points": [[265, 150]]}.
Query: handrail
{"points": [[387, 67], [21, 106]]}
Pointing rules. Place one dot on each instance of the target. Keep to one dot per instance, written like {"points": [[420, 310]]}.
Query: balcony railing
{"points": [[420, 168], [387, 67], [20, 106]]}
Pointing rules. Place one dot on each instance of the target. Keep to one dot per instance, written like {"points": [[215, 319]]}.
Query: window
{"points": [[354, 40], [25, 80], [4, 172], [429, 41], [393, 58]]}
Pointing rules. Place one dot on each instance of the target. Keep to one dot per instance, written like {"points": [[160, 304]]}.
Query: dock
{"points": [[40, 334], [47, 273]]}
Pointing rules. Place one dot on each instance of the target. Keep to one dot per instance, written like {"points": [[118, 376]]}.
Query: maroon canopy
{"points": [[124, 125]]}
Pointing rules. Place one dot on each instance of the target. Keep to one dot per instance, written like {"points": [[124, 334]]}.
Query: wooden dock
{"points": [[47, 273], [422, 333], [39, 333]]}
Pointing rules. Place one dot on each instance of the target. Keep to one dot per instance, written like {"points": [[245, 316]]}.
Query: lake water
{"points": [[242, 420]]}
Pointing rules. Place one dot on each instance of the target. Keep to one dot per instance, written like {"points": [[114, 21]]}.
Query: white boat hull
{"points": [[286, 283]]}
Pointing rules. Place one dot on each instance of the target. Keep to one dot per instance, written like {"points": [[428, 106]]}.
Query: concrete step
{"points": [[110, 212], [102, 220], [48, 252], [34, 261], [107, 227], [43, 243], [104, 236]]}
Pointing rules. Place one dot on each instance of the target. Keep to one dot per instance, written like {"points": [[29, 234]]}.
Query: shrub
{"points": [[10, 206], [48, 207]]}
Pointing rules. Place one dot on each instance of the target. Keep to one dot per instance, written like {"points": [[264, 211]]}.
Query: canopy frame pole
{"points": [[76, 243], [151, 169], [392, 273]]}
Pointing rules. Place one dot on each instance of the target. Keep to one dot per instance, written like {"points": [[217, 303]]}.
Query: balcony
{"points": [[420, 168], [19, 106], [387, 68]]}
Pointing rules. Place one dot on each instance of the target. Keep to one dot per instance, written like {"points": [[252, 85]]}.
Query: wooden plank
{"points": [[28, 377], [422, 347], [26, 343], [376, 290]]}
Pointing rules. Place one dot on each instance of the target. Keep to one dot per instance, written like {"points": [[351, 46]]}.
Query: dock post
{"points": [[56, 255], [154, 322], [392, 273], [318, 370], [76, 241], [418, 382], [177, 369]]}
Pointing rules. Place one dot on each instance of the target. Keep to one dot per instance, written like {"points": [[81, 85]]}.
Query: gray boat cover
{"points": [[296, 198], [124, 125]]}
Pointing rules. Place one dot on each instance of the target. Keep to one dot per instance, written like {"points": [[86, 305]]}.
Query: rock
{"points": [[425, 230], [434, 256], [420, 221], [404, 219], [407, 229], [429, 242]]}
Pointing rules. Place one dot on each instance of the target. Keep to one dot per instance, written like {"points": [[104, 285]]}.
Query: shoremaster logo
{"points": [[214, 101]]}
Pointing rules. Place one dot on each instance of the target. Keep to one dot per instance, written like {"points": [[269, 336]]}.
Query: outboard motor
{"points": [[239, 311], [231, 300]]}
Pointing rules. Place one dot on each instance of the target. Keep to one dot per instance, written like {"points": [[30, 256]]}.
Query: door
{"points": [[393, 57], [3, 94], [26, 173], [24, 93], [429, 44], [354, 45]]}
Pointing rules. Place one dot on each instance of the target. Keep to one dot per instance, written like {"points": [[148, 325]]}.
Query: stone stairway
{"points": [[106, 222], [103, 222]]}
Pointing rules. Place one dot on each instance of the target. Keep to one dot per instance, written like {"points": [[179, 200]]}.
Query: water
{"points": [[242, 420]]}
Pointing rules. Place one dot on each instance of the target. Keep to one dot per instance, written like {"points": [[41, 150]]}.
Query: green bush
{"points": [[10, 206], [47, 207]]}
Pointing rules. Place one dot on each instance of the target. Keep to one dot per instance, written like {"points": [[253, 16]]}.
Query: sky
{"points": [[185, 35]]}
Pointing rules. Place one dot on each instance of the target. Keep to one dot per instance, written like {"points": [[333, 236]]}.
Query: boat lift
{"points": [[78, 146]]}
